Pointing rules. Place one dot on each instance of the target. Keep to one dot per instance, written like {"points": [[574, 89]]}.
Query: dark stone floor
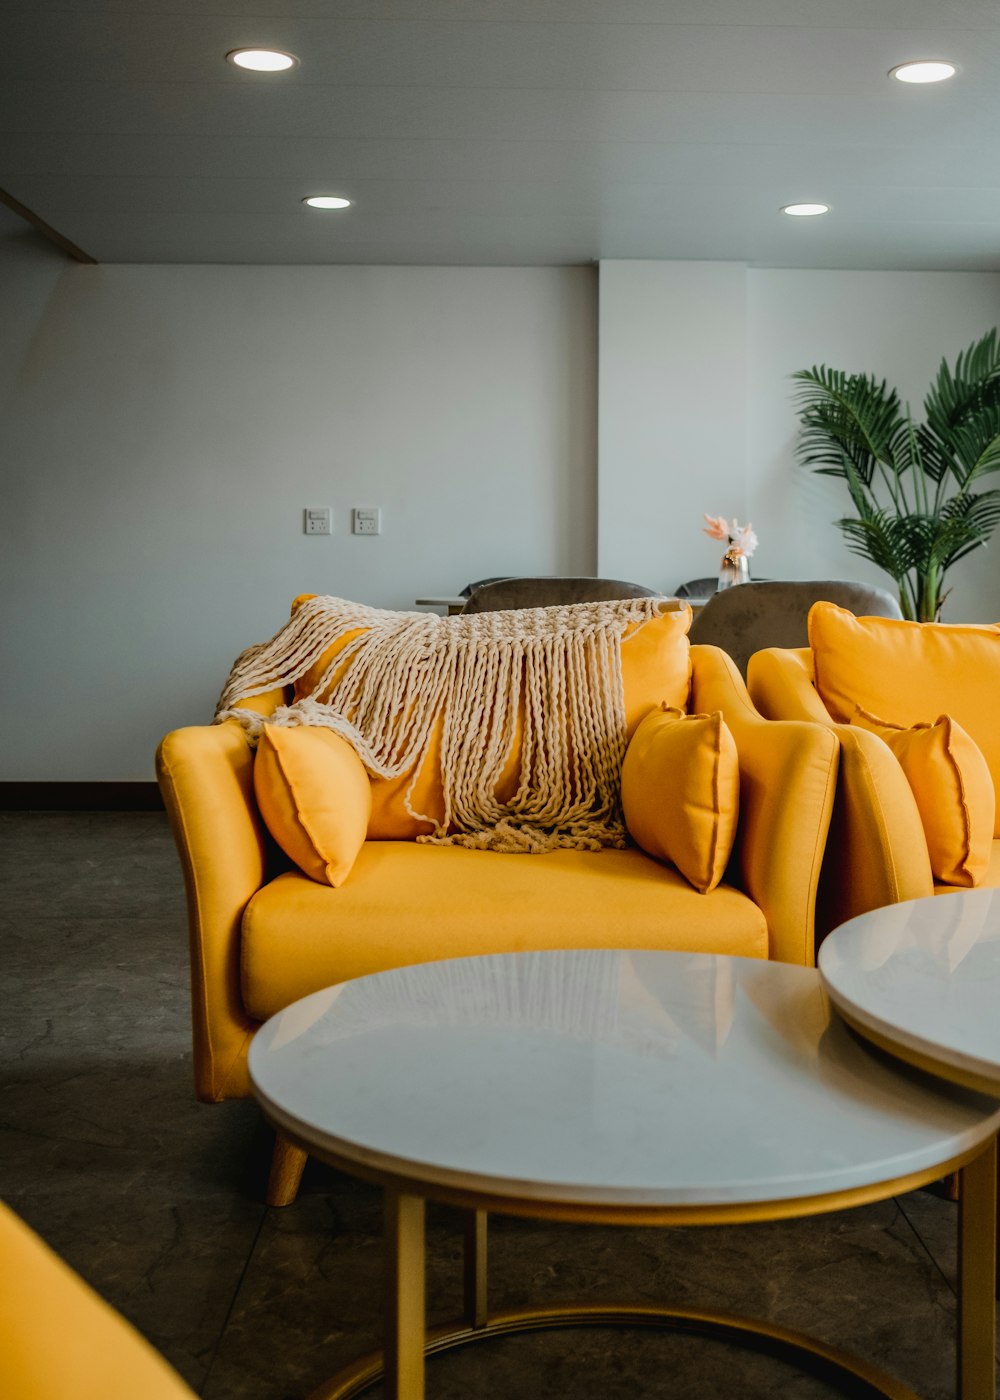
{"points": [[156, 1199]]}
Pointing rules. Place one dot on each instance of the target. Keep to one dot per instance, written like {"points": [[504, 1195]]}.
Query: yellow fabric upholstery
{"points": [[991, 875], [953, 789], [788, 776], [655, 667], [876, 851], [206, 777], [906, 672], [407, 903], [314, 795], [59, 1340], [681, 792]]}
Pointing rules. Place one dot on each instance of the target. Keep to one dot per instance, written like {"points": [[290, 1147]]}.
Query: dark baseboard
{"points": [[80, 797]]}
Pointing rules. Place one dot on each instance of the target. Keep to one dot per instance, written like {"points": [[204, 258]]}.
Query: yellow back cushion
{"points": [[656, 667], [681, 792], [953, 791], [905, 671]]}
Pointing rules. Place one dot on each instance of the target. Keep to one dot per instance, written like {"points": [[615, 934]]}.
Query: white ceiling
{"points": [[507, 131]]}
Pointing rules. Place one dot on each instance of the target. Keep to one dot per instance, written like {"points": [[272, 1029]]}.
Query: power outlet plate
{"points": [[366, 520], [318, 520]]}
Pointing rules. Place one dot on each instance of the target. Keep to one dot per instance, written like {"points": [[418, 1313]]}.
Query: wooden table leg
{"points": [[405, 1321], [287, 1165], [977, 1223]]}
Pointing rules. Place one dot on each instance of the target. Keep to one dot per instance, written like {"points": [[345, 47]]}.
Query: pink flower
{"points": [[744, 537], [740, 538]]}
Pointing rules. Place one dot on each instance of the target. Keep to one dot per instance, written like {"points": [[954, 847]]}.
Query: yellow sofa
{"points": [[877, 850], [263, 934]]}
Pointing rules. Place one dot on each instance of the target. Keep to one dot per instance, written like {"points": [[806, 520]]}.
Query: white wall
{"points": [[165, 427], [168, 425], [696, 411], [30, 269], [672, 365], [896, 325]]}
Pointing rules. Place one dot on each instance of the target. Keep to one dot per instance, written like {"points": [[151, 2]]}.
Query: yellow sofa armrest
{"points": [[782, 684], [788, 774], [206, 778], [876, 853]]}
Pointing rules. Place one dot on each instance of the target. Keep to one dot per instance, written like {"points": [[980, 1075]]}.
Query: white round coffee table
{"points": [[922, 980], [617, 1087]]}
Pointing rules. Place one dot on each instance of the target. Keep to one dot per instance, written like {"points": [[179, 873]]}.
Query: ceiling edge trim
{"points": [[53, 235]]}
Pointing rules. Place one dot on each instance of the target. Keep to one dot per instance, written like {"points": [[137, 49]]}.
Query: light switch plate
{"points": [[318, 520], [367, 520]]}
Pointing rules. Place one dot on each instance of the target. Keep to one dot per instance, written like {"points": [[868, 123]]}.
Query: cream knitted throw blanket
{"points": [[549, 678]]}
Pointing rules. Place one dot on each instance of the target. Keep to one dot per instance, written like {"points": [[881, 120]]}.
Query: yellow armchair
{"points": [[876, 853], [263, 934]]}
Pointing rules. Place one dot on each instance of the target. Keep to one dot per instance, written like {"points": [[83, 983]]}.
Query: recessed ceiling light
{"points": [[927, 70], [262, 60], [804, 211], [327, 201]]}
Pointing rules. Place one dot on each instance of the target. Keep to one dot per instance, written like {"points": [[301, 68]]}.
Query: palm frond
{"points": [[846, 419], [969, 449], [981, 514], [974, 382], [877, 536]]}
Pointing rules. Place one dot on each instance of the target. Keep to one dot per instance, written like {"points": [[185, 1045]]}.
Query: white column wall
{"points": [[696, 410], [895, 325], [672, 365]]}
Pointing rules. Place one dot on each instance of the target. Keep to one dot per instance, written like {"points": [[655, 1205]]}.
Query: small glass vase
{"points": [[734, 569]]}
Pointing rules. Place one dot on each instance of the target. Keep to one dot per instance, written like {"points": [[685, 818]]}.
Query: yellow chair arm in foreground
{"points": [[59, 1340], [788, 774], [876, 852]]}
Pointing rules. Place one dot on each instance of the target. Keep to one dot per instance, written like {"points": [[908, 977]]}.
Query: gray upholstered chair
{"points": [[551, 592], [697, 587], [744, 619]]}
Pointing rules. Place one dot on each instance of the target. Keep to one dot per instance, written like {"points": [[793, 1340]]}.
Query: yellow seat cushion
{"points": [[408, 903], [905, 671], [315, 798], [656, 666], [681, 792], [953, 790]]}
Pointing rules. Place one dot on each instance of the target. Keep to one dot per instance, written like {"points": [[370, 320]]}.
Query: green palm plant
{"points": [[911, 484]]}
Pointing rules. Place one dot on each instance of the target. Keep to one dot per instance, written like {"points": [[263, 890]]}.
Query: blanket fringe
{"points": [[549, 677]]}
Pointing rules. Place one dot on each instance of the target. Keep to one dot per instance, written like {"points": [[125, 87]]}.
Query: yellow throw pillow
{"points": [[681, 792], [953, 791], [315, 798], [656, 665], [905, 671]]}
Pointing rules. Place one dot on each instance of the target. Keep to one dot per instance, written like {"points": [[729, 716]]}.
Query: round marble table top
{"points": [[923, 979], [606, 1078]]}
